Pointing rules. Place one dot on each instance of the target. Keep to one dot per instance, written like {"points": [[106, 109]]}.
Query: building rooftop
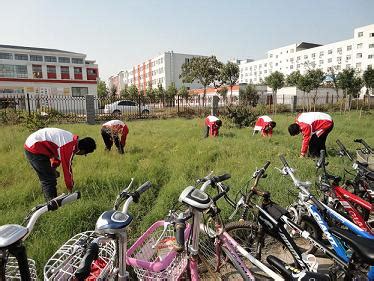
{"points": [[36, 49], [306, 45]]}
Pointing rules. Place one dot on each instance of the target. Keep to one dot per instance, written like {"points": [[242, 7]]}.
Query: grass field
{"points": [[169, 153]]}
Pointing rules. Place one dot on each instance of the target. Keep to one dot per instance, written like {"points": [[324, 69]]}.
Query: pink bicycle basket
{"points": [[159, 261]]}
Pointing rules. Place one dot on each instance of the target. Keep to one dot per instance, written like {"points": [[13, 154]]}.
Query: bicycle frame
{"points": [[346, 198]]}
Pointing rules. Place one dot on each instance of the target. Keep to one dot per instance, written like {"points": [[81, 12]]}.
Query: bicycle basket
{"points": [[12, 270], [63, 264], [365, 158], [160, 262]]}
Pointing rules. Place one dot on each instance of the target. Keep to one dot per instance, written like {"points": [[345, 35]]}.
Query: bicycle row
{"points": [[172, 248]]}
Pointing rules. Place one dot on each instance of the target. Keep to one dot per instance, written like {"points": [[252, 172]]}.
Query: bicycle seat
{"points": [[11, 233], [112, 222], [363, 247]]}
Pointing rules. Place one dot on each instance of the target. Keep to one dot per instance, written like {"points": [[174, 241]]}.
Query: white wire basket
{"points": [[12, 270], [161, 261], [63, 264]]}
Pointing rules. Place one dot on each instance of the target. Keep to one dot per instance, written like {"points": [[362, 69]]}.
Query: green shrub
{"points": [[241, 116]]}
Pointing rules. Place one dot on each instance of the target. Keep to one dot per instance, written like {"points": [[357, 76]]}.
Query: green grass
{"points": [[169, 153]]}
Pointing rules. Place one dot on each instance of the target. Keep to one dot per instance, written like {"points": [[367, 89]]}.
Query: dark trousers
{"points": [[46, 174], [316, 144], [109, 138]]}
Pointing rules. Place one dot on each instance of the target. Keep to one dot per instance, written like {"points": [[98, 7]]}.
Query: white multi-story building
{"points": [[46, 72], [357, 53], [161, 70]]}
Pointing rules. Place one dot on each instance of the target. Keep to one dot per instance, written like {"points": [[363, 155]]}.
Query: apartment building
{"points": [[46, 72], [357, 53], [163, 69]]}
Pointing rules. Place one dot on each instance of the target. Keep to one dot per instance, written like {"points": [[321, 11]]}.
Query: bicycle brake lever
{"points": [[166, 224], [238, 205]]}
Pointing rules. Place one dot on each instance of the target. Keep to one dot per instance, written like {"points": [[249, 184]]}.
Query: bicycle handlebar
{"points": [[364, 143], [134, 197], [52, 205], [344, 150], [84, 269]]}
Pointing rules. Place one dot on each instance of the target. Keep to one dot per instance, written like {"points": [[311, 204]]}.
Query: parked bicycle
{"points": [[99, 254], [348, 204], [14, 263]]}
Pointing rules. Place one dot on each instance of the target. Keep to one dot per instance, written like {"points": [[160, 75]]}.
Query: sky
{"points": [[121, 33]]}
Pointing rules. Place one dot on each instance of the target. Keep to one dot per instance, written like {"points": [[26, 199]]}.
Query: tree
{"points": [[368, 78], [183, 92], [345, 80], [315, 78], [293, 79], [223, 93], [102, 90], [204, 70], [151, 93], [248, 95], [133, 93], [171, 92], [305, 85], [230, 75], [275, 81], [160, 93], [125, 93], [334, 79], [113, 91]]}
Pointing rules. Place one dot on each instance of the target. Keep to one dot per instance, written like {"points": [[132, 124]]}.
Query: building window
{"points": [[329, 60], [36, 58], [329, 52], [78, 73], [92, 74], [50, 59], [338, 67], [13, 71], [321, 54], [348, 57], [305, 56], [339, 50], [371, 46], [349, 47], [65, 72], [270, 55], [51, 72], [348, 66], [313, 56], [292, 50], [37, 71], [63, 59], [21, 57], [6, 56], [359, 55], [79, 91], [371, 35], [77, 61], [370, 56], [21, 71], [358, 65], [359, 46], [360, 34], [321, 62]]}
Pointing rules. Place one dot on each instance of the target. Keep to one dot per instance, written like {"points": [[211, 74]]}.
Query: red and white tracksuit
{"points": [[312, 123], [210, 122], [59, 146], [263, 125], [115, 127]]}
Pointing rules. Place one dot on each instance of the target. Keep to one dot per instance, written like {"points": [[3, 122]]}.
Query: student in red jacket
{"points": [[48, 148], [212, 124], [315, 127], [110, 132], [264, 124]]}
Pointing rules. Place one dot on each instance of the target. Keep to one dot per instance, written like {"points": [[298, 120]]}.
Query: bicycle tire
{"points": [[307, 223], [244, 233], [235, 264]]}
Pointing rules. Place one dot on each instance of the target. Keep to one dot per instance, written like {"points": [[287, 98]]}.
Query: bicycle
{"points": [[275, 225], [348, 204], [363, 181], [14, 263], [199, 202], [101, 253]]}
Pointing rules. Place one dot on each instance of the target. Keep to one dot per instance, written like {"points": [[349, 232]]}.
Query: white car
{"points": [[125, 107]]}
